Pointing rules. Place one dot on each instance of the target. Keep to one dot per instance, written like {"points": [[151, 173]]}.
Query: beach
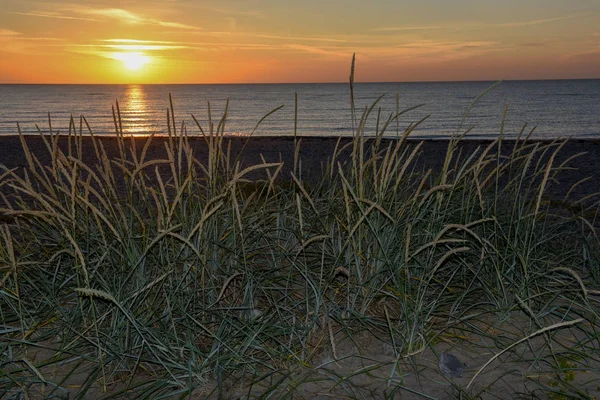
{"points": [[324, 258], [579, 156], [299, 200]]}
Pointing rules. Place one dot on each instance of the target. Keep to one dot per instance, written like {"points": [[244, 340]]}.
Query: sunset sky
{"points": [[212, 41]]}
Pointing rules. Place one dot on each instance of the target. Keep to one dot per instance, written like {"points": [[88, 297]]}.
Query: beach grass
{"points": [[133, 277]]}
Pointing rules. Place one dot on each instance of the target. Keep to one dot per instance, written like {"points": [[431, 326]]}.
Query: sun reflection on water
{"points": [[136, 114]]}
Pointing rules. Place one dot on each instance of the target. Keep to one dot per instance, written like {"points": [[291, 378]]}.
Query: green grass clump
{"points": [[130, 276]]}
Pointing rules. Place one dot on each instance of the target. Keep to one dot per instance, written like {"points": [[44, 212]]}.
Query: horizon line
{"points": [[309, 83]]}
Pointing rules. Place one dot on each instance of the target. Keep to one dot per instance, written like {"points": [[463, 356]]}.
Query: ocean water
{"points": [[562, 108]]}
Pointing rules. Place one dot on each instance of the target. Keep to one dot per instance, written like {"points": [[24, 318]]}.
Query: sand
{"points": [[315, 151]]}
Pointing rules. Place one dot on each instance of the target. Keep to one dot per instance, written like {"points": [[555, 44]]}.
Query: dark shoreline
{"points": [[314, 151]]}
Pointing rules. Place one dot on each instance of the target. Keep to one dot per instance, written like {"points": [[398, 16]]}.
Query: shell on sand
{"points": [[450, 365]]}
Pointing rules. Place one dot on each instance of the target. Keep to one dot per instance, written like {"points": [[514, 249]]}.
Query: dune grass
{"points": [[143, 278]]}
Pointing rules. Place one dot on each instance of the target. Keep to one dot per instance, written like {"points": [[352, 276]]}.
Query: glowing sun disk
{"points": [[133, 61]]}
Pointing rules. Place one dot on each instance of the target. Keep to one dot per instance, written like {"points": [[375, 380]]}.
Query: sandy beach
{"points": [[269, 255], [315, 151]]}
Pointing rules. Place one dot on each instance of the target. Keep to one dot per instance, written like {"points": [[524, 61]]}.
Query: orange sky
{"points": [[235, 41]]}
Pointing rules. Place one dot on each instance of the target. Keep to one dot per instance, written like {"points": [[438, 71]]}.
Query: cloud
{"points": [[324, 51], [16, 43], [207, 46], [441, 50], [535, 21], [137, 41], [514, 24], [218, 34], [429, 46], [134, 45], [409, 50], [129, 17], [535, 44], [430, 49], [409, 28], [141, 47], [174, 25], [85, 13], [583, 54], [115, 13], [299, 38], [8, 33], [128, 45], [229, 11], [46, 14], [119, 48]]}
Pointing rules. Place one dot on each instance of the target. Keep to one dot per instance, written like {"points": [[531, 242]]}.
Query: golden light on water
{"points": [[136, 112]]}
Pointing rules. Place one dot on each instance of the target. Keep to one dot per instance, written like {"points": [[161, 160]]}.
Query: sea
{"points": [[431, 110]]}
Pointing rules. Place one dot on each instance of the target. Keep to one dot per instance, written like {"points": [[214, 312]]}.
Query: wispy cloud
{"points": [[583, 54], [409, 28], [299, 38], [8, 33], [129, 17], [230, 11], [431, 50], [115, 13], [536, 21], [84, 13], [14, 36], [512, 24], [432, 45], [324, 51], [207, 46], [413, 50], [134, 45], [17, 43], [118, 48], [47, 14], [174, 25], [137, 41], [141, 47], [218, 34], [130, 45], [535, 44]]}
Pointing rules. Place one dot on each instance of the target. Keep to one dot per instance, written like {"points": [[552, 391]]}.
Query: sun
{"points": [[133, 61]]}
